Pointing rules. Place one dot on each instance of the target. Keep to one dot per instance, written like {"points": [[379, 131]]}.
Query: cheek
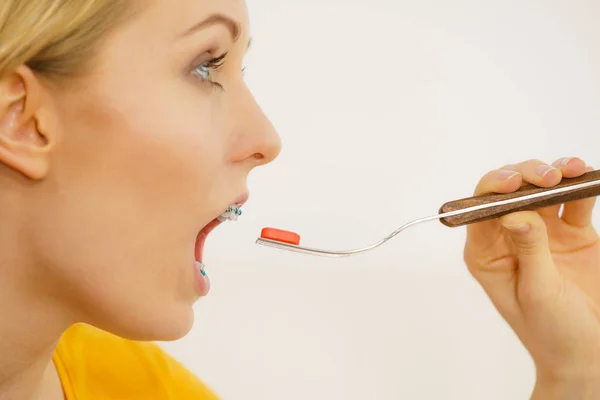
{"points": [[152, 160], [171, 156], [130, 191]]}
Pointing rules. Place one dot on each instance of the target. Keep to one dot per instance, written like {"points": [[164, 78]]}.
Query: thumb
{"points": [[539, 279]]}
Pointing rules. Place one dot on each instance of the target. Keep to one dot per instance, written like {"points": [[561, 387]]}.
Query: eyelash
{"points": [[210, 67], [205, 70]]}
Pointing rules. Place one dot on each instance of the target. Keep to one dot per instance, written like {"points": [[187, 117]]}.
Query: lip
{"points": [[242, 199]]}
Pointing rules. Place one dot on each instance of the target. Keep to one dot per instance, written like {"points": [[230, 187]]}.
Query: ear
{"points": [[24, 146]]}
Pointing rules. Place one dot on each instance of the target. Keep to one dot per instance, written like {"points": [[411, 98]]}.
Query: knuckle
{"points": [[486, 183], [482, 261], [532, 244], [473, 266], [510, 167], [527, 247], [535, 162]]}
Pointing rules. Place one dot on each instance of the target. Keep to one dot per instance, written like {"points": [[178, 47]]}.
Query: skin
{"points": [[108, 178], [542, 272]]}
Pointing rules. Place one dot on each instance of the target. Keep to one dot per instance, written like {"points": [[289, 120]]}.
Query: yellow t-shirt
{"points": [[95, 365]]}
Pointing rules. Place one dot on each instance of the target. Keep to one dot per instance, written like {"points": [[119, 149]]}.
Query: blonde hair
{"points": [[55, 38]]}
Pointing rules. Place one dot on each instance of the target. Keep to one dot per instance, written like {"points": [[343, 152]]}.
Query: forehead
{"points": [[179, 15], [154, 41]]}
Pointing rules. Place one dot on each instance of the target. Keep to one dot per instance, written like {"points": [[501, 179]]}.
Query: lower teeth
{"points": [[200, 267]]}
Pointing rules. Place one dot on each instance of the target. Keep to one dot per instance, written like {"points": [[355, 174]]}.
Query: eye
{"points": [[206, 70]]}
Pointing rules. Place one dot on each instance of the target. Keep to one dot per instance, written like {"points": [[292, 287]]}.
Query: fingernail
{"points": [[505, 174], [544, 170], [563, 162], [519, 228]]}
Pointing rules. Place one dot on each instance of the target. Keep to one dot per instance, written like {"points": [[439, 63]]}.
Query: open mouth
{"points": [[202, 235], [201, 281], [230, 214]]}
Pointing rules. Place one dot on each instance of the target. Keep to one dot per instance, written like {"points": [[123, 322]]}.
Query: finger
{"points": [[499, 181], [540, 174], [578, 213], [571, 167], [537, 173], [483, 234], [539, 281]]}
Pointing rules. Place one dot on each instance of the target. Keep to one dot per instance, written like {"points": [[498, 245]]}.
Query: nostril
{"points": [[259, 156]]}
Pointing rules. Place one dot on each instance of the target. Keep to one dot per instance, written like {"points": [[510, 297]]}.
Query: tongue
{"points": [[201, 238]]}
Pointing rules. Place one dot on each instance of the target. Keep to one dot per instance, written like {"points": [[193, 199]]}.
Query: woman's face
{"points": [[154, 144]]}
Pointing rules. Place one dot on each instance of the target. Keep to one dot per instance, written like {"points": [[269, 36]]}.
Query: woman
{"points": [[125, 130]]}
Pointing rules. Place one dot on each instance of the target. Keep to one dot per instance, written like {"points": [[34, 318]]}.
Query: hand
{"points": [[541, 269]]}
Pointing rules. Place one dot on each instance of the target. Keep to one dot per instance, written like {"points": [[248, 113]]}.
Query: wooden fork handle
{"points": [[492, 212]]}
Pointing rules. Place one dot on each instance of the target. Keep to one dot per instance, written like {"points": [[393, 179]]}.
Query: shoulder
{"points": [[97, 362]]}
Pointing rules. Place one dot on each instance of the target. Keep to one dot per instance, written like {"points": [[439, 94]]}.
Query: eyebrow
{"points": [[233, 25]]}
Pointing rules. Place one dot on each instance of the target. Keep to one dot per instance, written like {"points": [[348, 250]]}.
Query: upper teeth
{"points": [[231, 214]]}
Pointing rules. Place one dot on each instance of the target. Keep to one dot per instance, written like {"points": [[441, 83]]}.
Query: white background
{"points": [[387, 109]]}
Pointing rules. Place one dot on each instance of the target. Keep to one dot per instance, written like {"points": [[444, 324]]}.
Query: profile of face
{"points": [[124, 166]]}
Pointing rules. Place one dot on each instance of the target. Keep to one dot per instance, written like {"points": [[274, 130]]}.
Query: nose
{"points": [[257, 141]]}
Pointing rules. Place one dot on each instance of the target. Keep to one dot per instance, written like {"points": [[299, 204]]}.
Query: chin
{"points": [[159, 325]]}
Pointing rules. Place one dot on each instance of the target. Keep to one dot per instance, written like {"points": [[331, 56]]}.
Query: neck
{"points": [[30, 328], [33, 316], [29, 382]]}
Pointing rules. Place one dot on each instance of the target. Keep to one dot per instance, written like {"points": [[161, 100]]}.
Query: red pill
{"points": [[279, 235]]}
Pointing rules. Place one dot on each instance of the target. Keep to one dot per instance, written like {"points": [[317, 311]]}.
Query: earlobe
{"points": [[23, 146]]}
